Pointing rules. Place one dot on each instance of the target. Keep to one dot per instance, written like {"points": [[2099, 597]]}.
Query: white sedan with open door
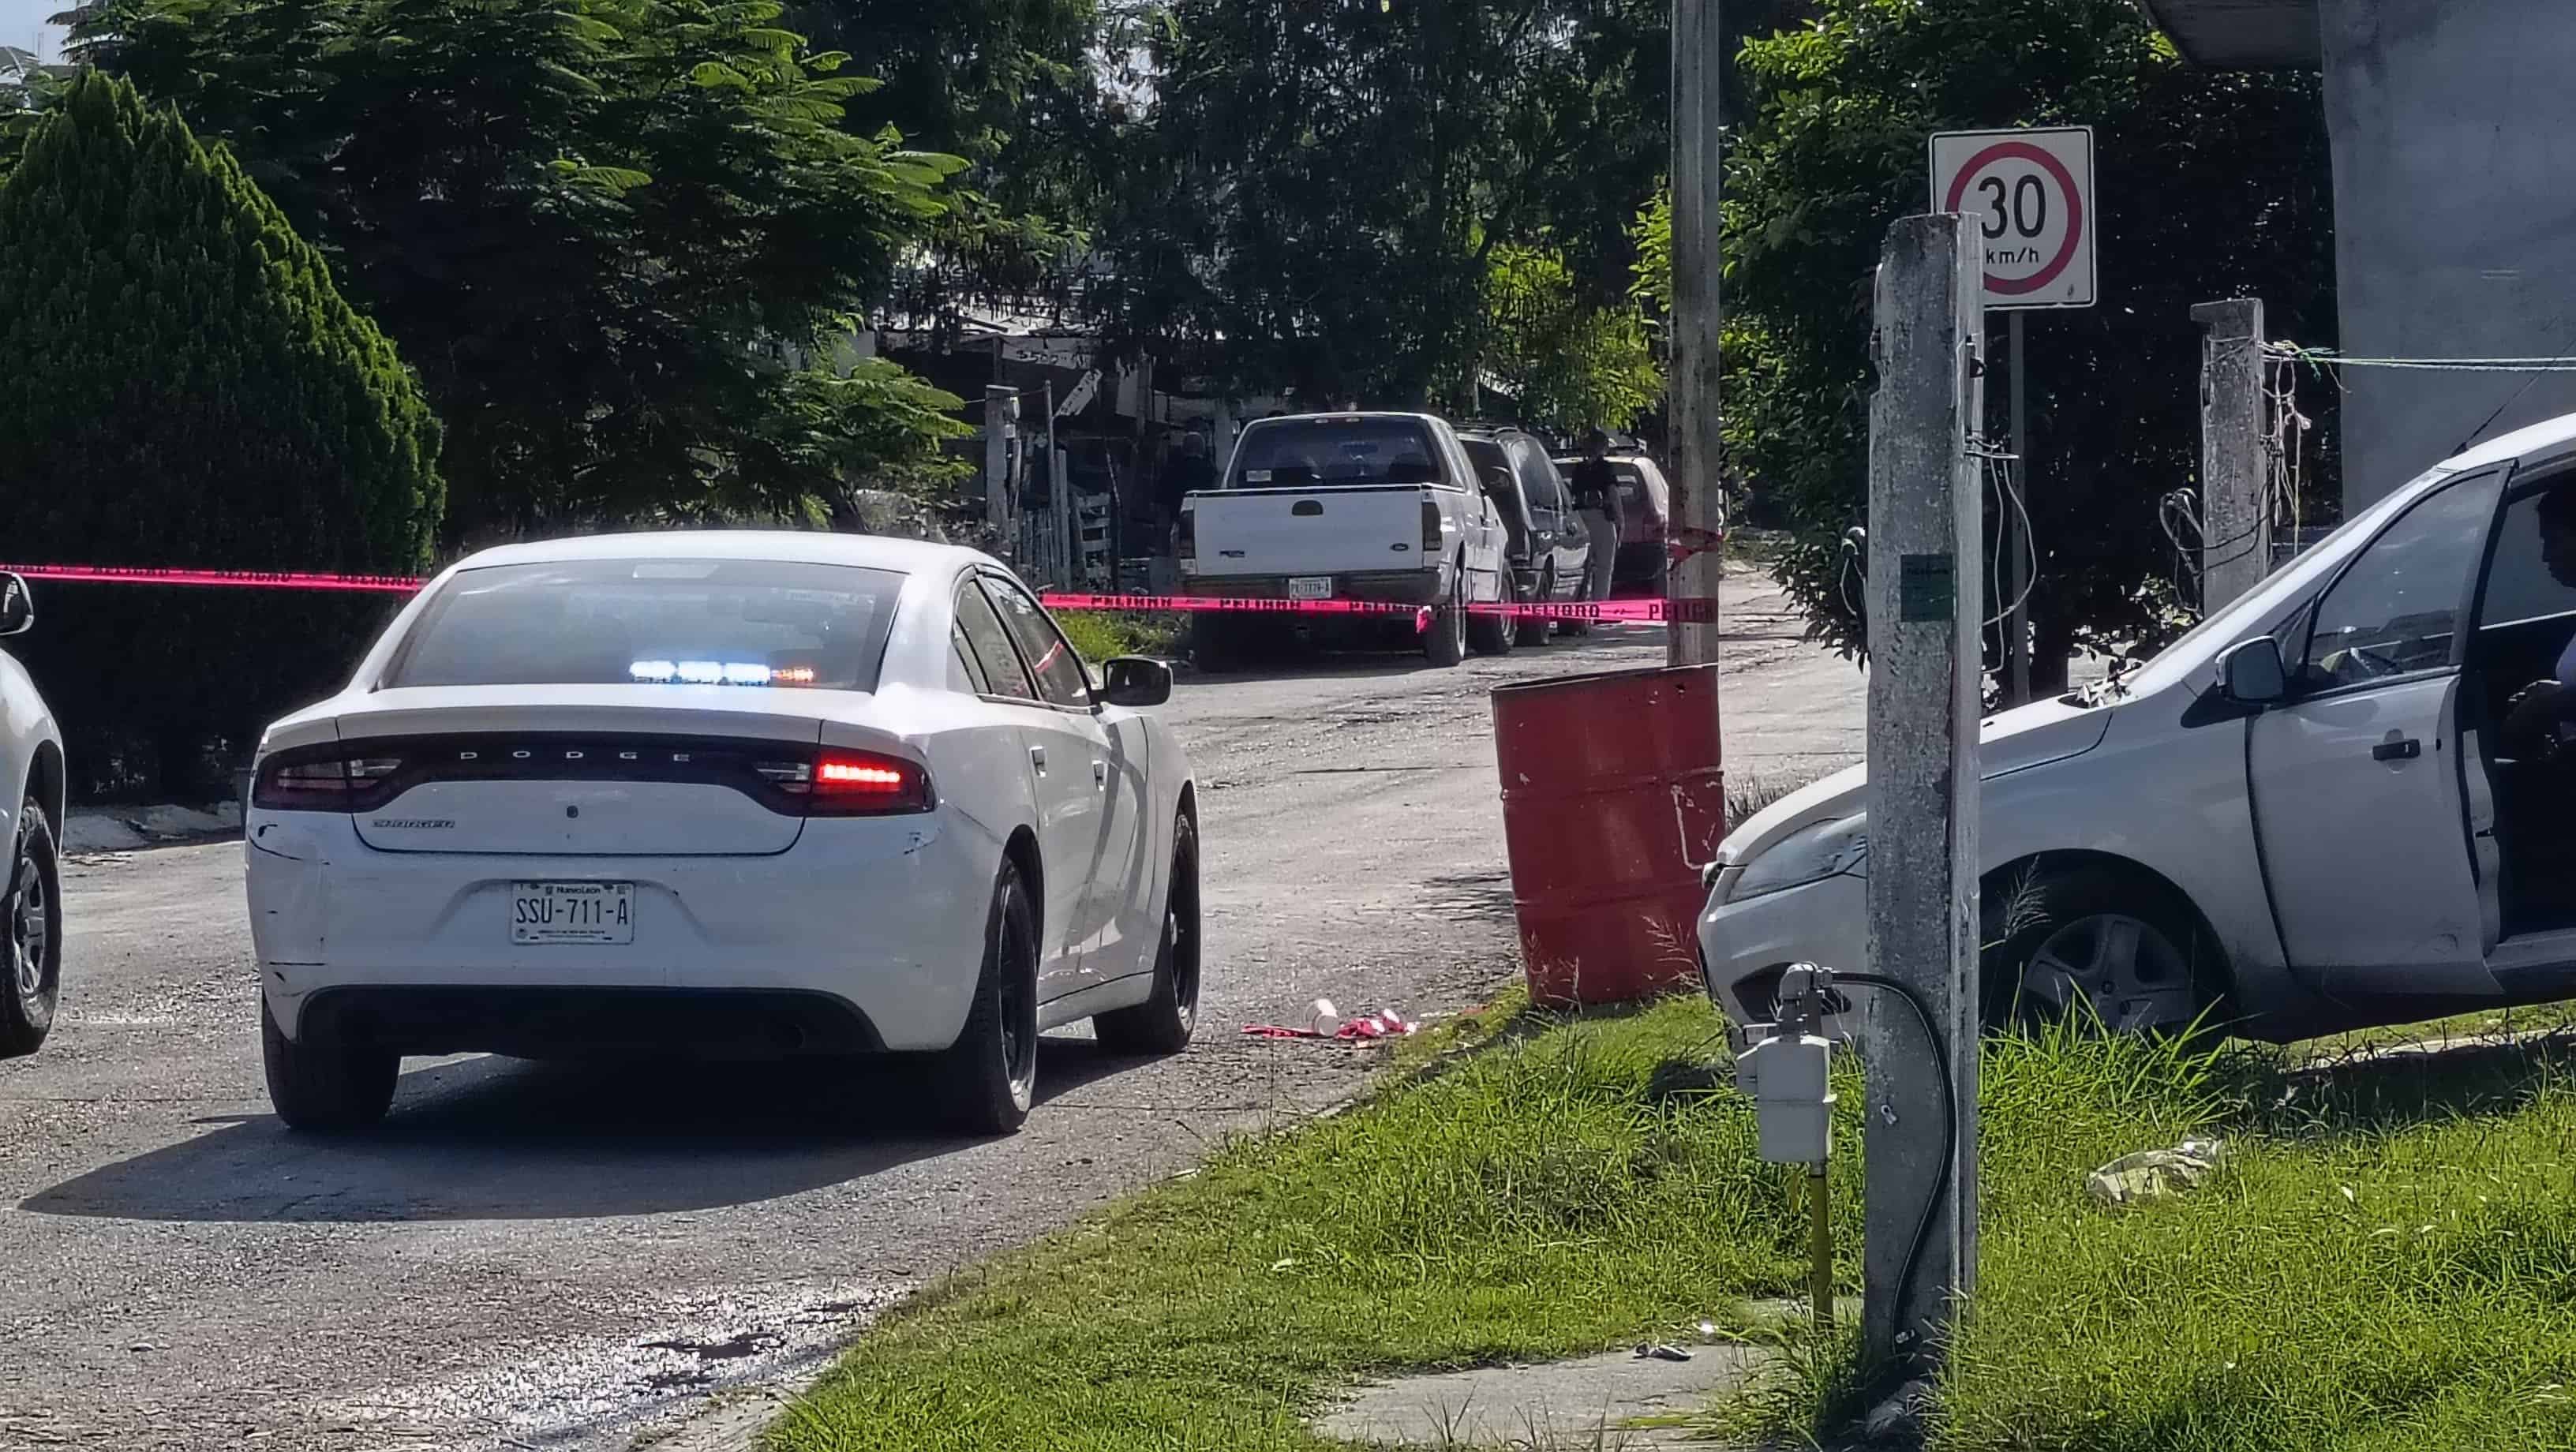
{"points": [[31, 811], [727, 794], [2348, 798]]}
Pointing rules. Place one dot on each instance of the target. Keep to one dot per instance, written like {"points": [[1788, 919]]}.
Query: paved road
{"points": [[555, 1257]]}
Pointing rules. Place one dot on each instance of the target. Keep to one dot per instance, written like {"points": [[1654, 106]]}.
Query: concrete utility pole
{"points": [[2235, 518], [1001, 416], [1925, 669], [1698, 495]]}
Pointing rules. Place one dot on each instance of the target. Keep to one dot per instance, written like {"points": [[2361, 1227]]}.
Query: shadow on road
{"points": [[2391, 1088], [497, 1139]]}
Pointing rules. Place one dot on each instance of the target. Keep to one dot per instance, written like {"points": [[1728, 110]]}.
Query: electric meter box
{"points": [[1788, 1077]]}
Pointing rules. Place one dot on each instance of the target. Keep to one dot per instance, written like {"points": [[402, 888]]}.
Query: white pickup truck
{"points": [[1347, 506]]}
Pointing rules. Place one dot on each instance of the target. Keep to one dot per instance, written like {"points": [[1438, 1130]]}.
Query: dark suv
{"points": [[1645, 511], [1550, 551]]}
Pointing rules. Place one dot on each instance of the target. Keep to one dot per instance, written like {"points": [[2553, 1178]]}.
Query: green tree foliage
{"points": [[23, 96], [185, 386], [2210, 186], [1322, 188], [1569, 364], [608, 231], [1026, 92]]}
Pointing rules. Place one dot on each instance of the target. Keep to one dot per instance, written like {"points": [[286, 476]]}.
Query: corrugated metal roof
{"points": [[2241, 35]]}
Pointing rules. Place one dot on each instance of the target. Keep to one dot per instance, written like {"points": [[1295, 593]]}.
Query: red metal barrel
{"points": [[1603, 779]]}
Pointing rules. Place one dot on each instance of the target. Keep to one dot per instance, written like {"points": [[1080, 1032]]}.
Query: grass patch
{"points": [[2388, 1262], [2391, 1264], [1551, 1194], [1100, 634]]}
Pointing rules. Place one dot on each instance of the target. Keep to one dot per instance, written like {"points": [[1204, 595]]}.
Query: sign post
{"points": [[2030, 195]]}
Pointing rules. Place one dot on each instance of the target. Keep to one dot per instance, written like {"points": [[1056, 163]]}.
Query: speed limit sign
{"points": [[2031, 194]]}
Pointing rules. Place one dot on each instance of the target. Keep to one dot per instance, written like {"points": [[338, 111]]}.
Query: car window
{"points": [[1311, 452], [1061, 678], [727, 622], [964, 674], [2520, 584], [1538, 477], [2396, 610], [988, 641], [1651, 480], [1484, 456]]}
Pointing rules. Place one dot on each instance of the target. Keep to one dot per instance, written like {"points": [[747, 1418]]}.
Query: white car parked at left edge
{"points": [[729, 794], [31, 808]]}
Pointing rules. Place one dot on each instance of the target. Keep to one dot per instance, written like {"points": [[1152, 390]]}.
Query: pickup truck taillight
{"points": [[1188, 546], [1430, 531]]}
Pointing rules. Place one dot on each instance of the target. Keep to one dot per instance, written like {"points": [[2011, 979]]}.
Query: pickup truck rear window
{"points": [[1323, 452]]}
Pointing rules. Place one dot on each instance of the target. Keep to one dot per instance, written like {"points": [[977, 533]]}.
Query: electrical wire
{"points": [[2283, 441], [2030, 538], [2329, 358], [1949, 1124]]}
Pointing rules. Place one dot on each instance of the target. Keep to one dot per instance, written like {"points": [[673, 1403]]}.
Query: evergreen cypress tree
{"points": [[181, 383]]}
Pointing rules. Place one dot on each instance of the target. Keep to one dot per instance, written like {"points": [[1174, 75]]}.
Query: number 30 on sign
{"points": [[2030, 195]]}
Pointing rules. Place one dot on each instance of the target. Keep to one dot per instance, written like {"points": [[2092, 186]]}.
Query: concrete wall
{"points": [[2454, 134]]}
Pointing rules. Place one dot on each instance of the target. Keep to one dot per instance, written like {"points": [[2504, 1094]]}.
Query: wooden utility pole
{"points": [[1001, 418], [2235, 519], [1698, 497], [1926, 666]]}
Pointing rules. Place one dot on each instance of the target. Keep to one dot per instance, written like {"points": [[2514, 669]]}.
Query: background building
{"points": [[2453, 127]]}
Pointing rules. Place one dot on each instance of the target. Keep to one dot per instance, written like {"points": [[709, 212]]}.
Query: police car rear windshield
{"points": [[659, 622], [1313, 453]]}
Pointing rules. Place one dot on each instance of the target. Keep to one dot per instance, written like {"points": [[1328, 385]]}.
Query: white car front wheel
{"points": [[1163, 1023], [2097, 948], [31, 935]]}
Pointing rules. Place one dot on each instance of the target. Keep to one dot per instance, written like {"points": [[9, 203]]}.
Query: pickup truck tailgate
{"points": [[1309, 531]]}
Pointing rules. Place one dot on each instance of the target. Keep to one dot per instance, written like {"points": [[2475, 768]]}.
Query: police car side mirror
{"points": [[1135, 680]]}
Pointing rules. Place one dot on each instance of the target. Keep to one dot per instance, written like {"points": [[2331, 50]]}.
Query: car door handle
{"points": [[2406, 749], [1037, 758]]}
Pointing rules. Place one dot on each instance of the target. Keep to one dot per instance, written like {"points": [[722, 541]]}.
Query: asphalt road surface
{"points": [[558, 1257]]}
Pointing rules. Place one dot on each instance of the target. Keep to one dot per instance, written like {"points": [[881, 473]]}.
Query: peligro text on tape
{"points": [[1700, 610], [238, 579], [1695, 610]]}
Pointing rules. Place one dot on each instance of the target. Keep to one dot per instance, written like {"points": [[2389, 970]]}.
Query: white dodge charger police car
{"points": [[732, 794]]}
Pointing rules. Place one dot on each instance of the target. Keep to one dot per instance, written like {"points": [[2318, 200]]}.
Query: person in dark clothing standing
{"points": [[1187, 472], [1595, 486]]}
